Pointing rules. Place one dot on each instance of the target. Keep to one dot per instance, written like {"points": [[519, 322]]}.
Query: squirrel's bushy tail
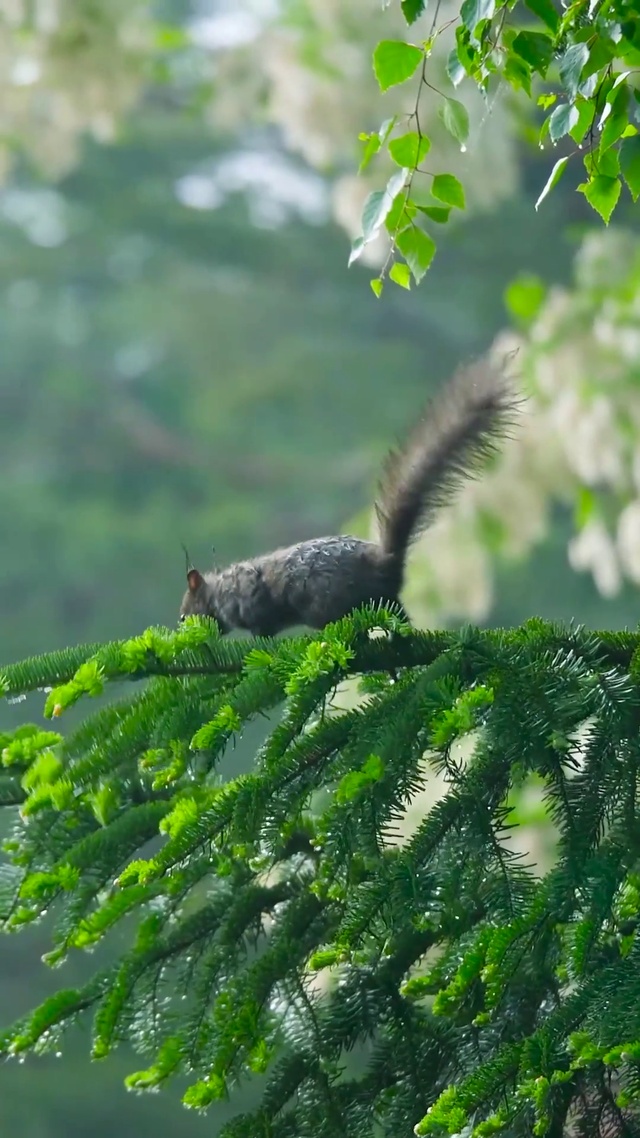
{"points": [[458, 430]]}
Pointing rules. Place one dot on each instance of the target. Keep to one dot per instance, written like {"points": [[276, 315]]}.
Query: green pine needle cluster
{"points": [[287, 931]]}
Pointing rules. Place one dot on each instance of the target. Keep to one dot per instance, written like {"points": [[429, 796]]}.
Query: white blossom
{"points": [[593, 443], [593, 550], [54, 87], [628, 540]]}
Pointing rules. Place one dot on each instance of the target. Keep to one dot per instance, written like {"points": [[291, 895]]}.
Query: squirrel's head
{"points": [[199, 599], [196, 599]]}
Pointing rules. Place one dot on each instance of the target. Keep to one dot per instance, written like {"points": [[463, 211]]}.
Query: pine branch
{"points": [[330, 903]]}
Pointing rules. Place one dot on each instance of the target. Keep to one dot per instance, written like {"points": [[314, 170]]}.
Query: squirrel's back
{"points": [[327, 576]]}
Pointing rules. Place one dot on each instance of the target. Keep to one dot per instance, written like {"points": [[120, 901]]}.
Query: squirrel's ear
{"points": [[195, 579]]}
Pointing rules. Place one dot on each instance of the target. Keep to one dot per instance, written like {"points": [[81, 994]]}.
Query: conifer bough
{"points": [[289, 952]]}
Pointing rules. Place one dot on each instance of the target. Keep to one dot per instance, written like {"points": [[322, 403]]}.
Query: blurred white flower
{"points": [[64, 72], [224, 30], [41, 214], [593, 550], [629, 540], [454, 578], [25, 71], [274, 187], [593, 444]]}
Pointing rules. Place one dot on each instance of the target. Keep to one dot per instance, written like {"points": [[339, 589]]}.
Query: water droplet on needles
{"points": [[17, 698], [463, 149]]}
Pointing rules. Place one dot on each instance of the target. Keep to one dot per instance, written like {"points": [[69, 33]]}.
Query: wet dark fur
{"points": [[318, 581]]}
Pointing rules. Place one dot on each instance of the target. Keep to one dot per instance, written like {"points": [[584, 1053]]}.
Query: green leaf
{"points": [[588, 86], [562, 120], [629, 46], [546, 12], [437, 213], [418, 249], [376, 286], [401, 214], [613, 131], [536, 48], [401, 274], [455, 69], [585, 507], [411, 9], [170, 37], [630, 165], [554, 178], [618, 120], [544, 130], [546, 101], [375, 141], [467, 53], [524, 297], [619, 79], [371, 149], [395, 61], [518, 73], [456, 119], [608, 108], [409, 149], [586, 113], [358, 244], [473, 11], [571, 65], [446, 188], [374, 212], [607, 163], [601, 52], [386, 128], [602, 193]]}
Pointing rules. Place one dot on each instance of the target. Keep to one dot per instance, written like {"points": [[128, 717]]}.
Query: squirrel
{"points": [[316, 582]]}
